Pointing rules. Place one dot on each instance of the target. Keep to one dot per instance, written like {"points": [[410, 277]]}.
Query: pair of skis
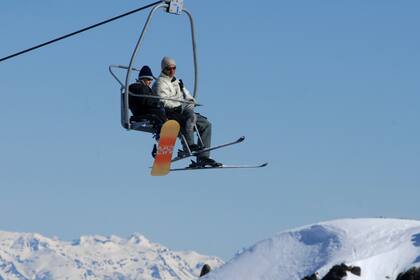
{"points": [[168, 135]]}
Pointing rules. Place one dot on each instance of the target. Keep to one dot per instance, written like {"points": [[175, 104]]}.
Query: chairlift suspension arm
{"points": [[175, 7], [133, 57]]}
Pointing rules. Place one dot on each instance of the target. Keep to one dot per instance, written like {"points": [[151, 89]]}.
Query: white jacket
{"points": [[165, 88]]}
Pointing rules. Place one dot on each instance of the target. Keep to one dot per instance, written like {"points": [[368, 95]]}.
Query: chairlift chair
{"points": [[149, 123]]}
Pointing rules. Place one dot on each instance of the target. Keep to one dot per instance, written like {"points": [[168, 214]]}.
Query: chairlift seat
{"points": [[149, 122]]}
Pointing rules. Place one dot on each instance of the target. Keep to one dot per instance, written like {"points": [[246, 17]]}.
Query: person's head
{"points": [[146, 75], [168, 66]]}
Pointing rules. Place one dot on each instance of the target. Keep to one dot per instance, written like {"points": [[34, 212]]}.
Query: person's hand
{"points": [[191, 103]]}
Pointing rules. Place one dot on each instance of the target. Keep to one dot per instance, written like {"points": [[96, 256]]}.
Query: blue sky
{"points": [[327, 92]]}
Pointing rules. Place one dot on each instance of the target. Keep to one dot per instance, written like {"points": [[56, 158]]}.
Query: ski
{"points": [[223, 166], [196, 153]]}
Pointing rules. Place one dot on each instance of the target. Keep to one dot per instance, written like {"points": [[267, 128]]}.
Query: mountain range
{"points": [[382, 248], [33, 256]]}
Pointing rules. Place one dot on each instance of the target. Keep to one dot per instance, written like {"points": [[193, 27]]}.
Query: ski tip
{"points": [[264, 164], [242, 138]]}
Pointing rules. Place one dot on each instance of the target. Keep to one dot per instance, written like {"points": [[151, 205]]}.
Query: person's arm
{"points": [[161, 89]]}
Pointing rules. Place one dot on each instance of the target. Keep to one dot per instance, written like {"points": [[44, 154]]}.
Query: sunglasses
{"points": [[170, 68]]}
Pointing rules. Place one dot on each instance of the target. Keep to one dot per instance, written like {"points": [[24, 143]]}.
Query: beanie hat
{"points": [[167, 61], [146, 73]]}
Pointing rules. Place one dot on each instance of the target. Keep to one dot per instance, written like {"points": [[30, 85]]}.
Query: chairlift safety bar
{"points": [[120, 67], [142, 95]]}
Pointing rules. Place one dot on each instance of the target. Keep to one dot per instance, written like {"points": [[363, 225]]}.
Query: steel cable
{"points": [[78, 31]]}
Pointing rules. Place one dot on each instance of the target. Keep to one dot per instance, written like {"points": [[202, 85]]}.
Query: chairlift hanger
{"points": [[175, 7]]}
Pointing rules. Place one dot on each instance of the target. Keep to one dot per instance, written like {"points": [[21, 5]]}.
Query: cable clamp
{"points": [[176, 7]]}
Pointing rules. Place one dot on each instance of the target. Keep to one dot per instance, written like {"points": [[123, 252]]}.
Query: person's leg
{"points": [[189, 123], [204, 128], [186, 120]]}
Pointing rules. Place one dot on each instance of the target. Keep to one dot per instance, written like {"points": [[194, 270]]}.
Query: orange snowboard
{"points": [[168, 134]]}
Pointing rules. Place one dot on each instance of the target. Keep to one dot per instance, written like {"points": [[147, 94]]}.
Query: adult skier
{"points": [[168, 86]]}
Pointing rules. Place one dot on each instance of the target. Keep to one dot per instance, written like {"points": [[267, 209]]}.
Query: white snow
{"points": [[33, 256], [381, 247]]}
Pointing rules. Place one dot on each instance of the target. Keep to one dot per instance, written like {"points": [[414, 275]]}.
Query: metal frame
{"points": [[116, 77], [125, 119]]}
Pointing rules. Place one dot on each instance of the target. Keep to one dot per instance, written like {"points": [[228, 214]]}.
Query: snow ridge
{"points": [[381, 247], [33, 256]]}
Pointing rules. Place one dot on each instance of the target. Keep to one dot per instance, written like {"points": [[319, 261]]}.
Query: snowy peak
{"points": [[381, 247], [30, 243], [33, 256], [139, 240]]}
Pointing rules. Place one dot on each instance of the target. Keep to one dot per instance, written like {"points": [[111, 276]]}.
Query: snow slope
{"points": [[381, 247], [33, 256]]}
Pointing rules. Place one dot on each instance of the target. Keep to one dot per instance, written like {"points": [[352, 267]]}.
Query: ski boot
{"points": [[204, 162]]}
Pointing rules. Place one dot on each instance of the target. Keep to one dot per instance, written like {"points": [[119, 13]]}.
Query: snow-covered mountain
{"points": [[381, 247], [35, 257]]}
